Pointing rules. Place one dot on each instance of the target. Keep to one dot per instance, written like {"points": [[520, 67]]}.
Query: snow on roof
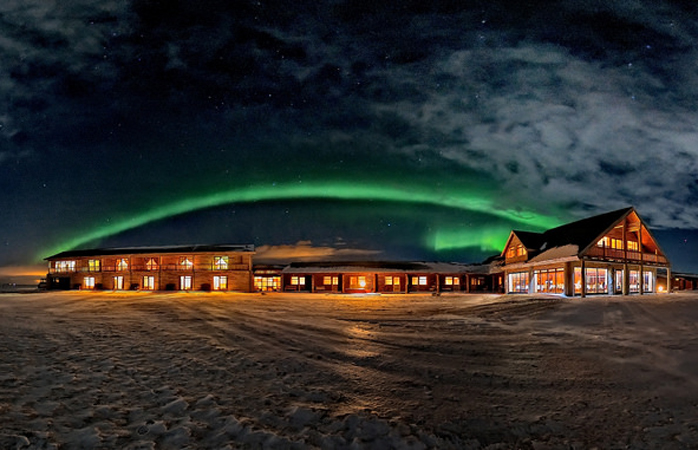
{"points": [[161, 249], [379, 267], [564, 251]]}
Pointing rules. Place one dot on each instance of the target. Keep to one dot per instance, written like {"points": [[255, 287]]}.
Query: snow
{"points": [[213, 370]]}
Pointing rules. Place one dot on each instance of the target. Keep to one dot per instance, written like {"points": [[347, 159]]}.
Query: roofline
{"points": [[195, 248], [609, 228]]}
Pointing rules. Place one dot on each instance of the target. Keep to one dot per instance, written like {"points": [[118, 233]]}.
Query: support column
{"points": [[584, 279], [531, 283], [668, 280], [642, 281], [626, 279]]}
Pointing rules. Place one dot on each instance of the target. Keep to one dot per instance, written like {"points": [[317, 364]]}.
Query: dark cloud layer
{"points": [[566, 109]]}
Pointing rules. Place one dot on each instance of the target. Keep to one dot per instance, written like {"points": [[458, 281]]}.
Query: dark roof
{"points": [[581, 233], [379, 267], [148, 250]]}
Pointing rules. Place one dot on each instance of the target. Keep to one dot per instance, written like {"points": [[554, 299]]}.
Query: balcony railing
{"points": [[176, 268], [613, 253]]}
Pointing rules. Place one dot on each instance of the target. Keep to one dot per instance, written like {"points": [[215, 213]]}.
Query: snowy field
{"points": [[173, 371]]}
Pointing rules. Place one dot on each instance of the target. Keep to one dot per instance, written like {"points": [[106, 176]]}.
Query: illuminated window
{"points": [[149, 282], [65, 266], [330, 280], [185, 282], [632, 245], [520, 250], [93, 265], [220, 283], [267, 283], [452, 281], [603, 242], [357, 282], [388, 281], [518, 282], [220, 263], [89, 283], [118, 282], [511, 252], [151, 264], [298, 281], [122, 264], [185, 263]]}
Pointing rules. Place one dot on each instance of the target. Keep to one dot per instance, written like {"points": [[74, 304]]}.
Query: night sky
{"points": [[343, 129]]}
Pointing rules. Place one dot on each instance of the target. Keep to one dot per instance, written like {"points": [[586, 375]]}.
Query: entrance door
{"points": [[118, 283]]}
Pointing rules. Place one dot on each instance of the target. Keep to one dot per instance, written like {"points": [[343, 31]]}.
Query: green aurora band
{"points": [[336, 191]]}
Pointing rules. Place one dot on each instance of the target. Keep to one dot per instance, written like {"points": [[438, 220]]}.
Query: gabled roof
{"points": [[583, 233], [571, 239], [223, 248]]}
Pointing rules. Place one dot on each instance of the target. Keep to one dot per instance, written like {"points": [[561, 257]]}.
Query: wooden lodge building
{"points": [[612, 253], [174, 268]]}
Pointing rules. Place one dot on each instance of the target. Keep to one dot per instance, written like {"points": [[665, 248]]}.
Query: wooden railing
{"points": [[613, 253]]}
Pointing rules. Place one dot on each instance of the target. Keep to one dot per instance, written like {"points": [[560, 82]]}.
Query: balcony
{"points": [[623, 255]]}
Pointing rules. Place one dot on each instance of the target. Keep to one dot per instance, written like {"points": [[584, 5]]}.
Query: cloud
{"points": [[305, 251]]}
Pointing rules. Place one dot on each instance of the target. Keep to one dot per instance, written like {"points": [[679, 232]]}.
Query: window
{"points": [[268, 283], [518, 282], [118, 282], [596, 280], [520, 250], [185, 263], [122, 264], [550, 281], [603, 242], [648, 282], [89, 283], [632, 245], [357, 282], [220, 283], [65, 266], [151, 264], [452, 281], [298, 281], [388, 281], [93, 265], [185, 282], [148, 282], [330, 281], [220, 263]]}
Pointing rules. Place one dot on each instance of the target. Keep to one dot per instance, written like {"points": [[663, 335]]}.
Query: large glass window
{"points": [[267, 283], [122, 264], [185, 282], [550, 281], [518, 282], [118, 283], [634, 276], [89, 283], [596, 280], [298, 281], [648, 281]]}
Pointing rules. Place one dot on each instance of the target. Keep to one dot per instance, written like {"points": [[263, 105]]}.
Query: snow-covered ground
{"points": [[146, 371]]}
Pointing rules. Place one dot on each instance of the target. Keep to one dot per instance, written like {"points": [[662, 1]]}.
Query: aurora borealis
{"points": [[400, 131]]}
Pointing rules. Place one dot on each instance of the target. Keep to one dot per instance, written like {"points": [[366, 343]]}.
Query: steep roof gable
{"points": [[583, 233]]}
